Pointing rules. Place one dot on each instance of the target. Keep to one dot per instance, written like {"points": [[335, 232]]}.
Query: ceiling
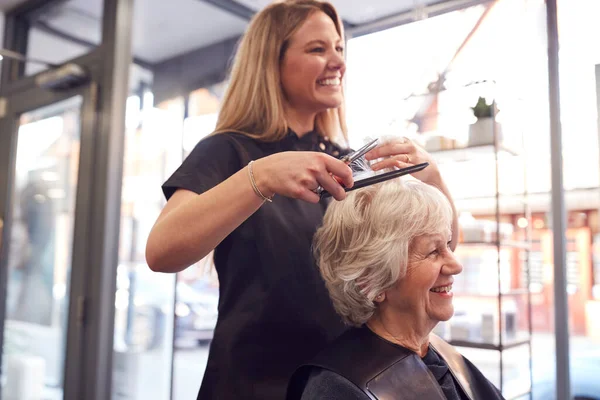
{"points": [[161, 30], [359, 11], [165, 29]]}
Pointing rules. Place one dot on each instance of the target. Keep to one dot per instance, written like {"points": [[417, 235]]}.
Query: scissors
{"points": [[349, 159]]}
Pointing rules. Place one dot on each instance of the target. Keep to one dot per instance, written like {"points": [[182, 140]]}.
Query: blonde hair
{"points": [[363, 246], [253, 103]]}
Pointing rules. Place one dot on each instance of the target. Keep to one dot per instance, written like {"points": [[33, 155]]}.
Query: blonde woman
{"points": [[385, 256], [247, 192]]}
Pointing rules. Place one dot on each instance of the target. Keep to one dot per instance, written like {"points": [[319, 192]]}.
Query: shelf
{"points": [[489, 346], [505, 243], [471, 153]]}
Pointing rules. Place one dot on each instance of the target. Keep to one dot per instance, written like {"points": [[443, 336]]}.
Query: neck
{"points": [[300, 122], [402, 330]]}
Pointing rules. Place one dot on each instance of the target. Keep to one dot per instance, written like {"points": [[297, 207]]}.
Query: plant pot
{"points": [[482, 132]]}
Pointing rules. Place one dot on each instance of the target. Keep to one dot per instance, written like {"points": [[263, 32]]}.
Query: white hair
{"points": [[362, 248]]}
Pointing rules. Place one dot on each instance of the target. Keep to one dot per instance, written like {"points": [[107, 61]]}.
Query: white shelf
{"points": [[472, 153]]}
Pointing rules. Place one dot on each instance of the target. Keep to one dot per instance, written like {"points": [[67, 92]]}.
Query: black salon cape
{"points": [[325, 384], [365, 358], [274, 310]]}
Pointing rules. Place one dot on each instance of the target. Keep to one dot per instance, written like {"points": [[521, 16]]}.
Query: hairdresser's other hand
{"points": [[402, 153], [297, 174]]}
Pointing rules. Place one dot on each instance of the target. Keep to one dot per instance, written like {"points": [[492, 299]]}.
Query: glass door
{"points": [[38, 247]]}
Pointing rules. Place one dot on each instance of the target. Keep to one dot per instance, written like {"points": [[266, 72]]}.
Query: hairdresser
{"points": [[247, 191]]}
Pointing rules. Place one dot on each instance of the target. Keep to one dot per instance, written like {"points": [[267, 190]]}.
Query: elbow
{"points": [[153, 260], [162, 257], [157, 258]]}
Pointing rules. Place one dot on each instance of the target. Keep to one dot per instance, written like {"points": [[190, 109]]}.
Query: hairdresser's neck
{"points": [[301, 122]]}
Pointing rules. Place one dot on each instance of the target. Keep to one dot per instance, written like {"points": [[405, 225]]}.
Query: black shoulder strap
{"points": [[457, 366]]}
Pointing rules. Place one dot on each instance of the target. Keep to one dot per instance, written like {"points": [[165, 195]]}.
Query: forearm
{"points": [[190, 231], [439, 183]]}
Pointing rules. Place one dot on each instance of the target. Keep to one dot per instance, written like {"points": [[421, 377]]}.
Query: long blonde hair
{"points": [[254, 102]]}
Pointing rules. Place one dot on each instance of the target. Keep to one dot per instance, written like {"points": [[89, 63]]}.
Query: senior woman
{"points": [[385, 258]]}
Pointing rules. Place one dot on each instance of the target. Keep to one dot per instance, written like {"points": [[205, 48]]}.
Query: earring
{"points": [[379, 297]]}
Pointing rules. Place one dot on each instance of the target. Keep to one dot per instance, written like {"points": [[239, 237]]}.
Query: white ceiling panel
{"points": [[164, 29], [161, 29], [359, 11]]}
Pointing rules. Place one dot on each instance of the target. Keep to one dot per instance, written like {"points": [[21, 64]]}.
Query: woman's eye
{"points": [[318, 50], [434, 253], [340, 49]]}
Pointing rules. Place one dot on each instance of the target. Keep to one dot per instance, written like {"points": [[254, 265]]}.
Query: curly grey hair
{"points": [[363, 245]]}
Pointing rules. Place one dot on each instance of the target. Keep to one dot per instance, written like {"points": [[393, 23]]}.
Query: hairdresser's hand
{"points": [[401, 153], [297, 174]]}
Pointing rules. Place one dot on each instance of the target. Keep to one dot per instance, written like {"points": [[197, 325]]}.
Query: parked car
{"points": [[196, 313], [584, 373], [144, 308]]}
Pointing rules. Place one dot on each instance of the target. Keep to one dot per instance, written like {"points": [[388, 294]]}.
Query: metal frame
{"points": [[232, 7], [597, 71], [406, 17], [105, 200], [559, 225]]}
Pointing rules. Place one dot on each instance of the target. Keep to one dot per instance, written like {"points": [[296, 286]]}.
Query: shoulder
{"points": [[223, 141], [325, 384], [214, 159]]}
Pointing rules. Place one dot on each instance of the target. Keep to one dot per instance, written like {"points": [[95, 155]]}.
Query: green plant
{"points": [[483, 110]]}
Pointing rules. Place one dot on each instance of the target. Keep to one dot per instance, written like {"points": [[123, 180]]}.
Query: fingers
{"points": [[329, 183], [309, 196], [399, 161], [340, 170], [390, 149]]}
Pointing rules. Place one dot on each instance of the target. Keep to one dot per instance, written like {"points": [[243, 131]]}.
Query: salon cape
{"points": [[386, 371]]}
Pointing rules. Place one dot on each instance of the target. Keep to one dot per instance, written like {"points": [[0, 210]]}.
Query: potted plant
{"points": [[482, 132]]}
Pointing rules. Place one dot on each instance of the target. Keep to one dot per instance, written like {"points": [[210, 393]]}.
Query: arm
{"points": [[191, 225], [441, 185]]}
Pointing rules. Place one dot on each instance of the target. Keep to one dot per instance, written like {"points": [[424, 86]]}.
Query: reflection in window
{"points": [[143, 334], [203, 108], [40, 249]]}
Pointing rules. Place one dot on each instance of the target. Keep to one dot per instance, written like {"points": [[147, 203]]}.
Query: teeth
{"points": [[442, 289], [329, 82]]}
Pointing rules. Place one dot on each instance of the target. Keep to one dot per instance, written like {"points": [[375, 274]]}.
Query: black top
{"points": [[274, 310]]}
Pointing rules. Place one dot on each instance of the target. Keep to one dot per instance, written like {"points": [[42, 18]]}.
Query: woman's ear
{"points": [[380, 298]]}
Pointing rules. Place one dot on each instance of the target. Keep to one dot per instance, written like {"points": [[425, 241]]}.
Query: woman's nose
{"points": [[337, 61], [452, 265]]}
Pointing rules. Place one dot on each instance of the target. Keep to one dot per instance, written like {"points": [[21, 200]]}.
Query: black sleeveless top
{"points": [[274, 310]]}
